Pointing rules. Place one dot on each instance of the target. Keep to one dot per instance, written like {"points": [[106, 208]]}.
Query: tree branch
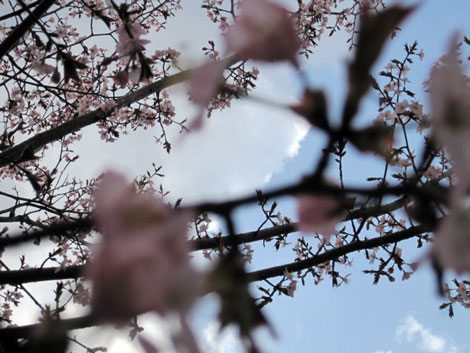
{"points": [[10, 333], [9, 42], [19, 12], [337, 252], [26, 149]]}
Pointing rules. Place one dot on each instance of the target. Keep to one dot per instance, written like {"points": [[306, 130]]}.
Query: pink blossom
{"points": [[121, 78], [401, 107], [318, 214], [142, 263], [421, 54], [108, 106], [404, 162], [450, 116], [452, 241], [264, 31], [432, 172], [128, 46], [205, 82], [204, 85], [292, 284]]}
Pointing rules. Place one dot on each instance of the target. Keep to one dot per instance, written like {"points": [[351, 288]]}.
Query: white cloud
{"points": [[383, 351], [414, 332], [214, 341], [236, 151]]}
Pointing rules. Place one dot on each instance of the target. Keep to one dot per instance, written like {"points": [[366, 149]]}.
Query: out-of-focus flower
{"points": [[452, 242], [205, 82], [432, 172], [204, 85], [142, 263], [128, 46], [290, 289], [318, 214], [42, 68], [264, 31], [421, 54], [121, 78], [450, 118]]}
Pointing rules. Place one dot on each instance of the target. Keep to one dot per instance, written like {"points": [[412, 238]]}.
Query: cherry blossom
{"points": [[432, 172], [452, 242], [450, 116], [142, 263], [204, 84], [292, 283], [318, 214], [264, 31], [128, 46]]}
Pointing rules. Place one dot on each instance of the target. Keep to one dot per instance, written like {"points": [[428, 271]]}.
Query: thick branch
{"points": [[18, 33], [40, 274], [16, 332], [20, 11], [54, 229], [338, 252], [25, 150]]}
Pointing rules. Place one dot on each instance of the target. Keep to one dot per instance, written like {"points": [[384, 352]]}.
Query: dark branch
{"points": [[26, 149], [338, 252], [10, 333], [18, 33]]}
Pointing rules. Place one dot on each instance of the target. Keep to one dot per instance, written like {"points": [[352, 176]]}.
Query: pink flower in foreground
{"points": [[142, 263], [264, 31], [204, 85], [450, 102], [205, 82], [318, 214], [452, 242], [128, 46]]}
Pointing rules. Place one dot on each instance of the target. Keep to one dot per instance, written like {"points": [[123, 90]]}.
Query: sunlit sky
{"points": [[252, 146]]}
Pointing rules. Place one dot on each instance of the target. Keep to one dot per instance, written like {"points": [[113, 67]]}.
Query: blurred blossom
{"points": [[205, 82], [264, 31], [452, 241], [450, 103], [318, 214], [142, 263], [128, 46], [204, 85]]}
